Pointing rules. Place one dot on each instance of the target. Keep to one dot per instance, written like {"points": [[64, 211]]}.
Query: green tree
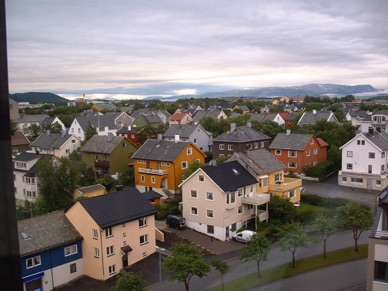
{"points": [[326, 226], [281, 208], [185, 262], [293, 238], [32, 131], [268, 127], [129, 281], [357, 218], [107, 181], [222, 267], [191, 169], [127, 178], [89, 132], [258, 250]]}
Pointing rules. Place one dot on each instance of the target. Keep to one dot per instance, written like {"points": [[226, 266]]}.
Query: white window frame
{"points": [[142, 222], [143, 239], [349, 166], [194, 194], [108, 232], [315, 151], [230, 147], [96, 252], [209, 196], [33, 262], [110, 251], [291, 152], [189, 151], [95, 233], [201, 178], [210, 213], [308, 153], [349, 154], [292, 165], [278, 152], [184, 165], [221, 146], [70, 250], [153, 180], [112, 269], [240, 209], [194, 211]]}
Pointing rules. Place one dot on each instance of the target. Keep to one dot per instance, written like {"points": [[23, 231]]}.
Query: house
{"points": [[48, 121], [194, 133], [238, 139], [159, 164], [269, 173], [289, 119], [131, 133], [313, 117], [244, 109], [25, 179], [25, 121], [118, 230], [19, 142], [108, 154], [180, 118], [364, 161], [219, 200], [56, 144], [377, 268], [216, 114], [357, 117], [274, 117], [296, 150], [13, 109], [51, 251], [378, 120], [89, 191], [152, 197]]}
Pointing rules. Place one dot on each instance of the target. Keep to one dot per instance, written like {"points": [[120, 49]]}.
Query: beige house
{"points": [[118, 230], [56, 144], [219, 200]]}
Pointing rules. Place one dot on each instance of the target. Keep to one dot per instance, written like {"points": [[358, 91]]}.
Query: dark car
{"points": [[176, 221]]}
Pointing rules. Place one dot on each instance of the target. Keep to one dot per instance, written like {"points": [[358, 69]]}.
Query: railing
{"points": [[286, 184], [152, 171], [382, 175], [256, 199], [101, 164], [263, 215], [379, 234]]}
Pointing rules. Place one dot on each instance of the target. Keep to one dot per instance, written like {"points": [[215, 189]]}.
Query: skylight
{"points": [[24, 235], [235, 171]]}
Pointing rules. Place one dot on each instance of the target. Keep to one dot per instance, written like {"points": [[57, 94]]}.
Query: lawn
{"points": [[303, 265]]}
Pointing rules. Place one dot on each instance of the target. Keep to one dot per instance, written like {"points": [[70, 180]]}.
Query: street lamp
{"points": [[160, 250]]}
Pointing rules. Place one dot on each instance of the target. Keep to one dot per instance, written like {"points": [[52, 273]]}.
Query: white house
{"points": [[364, 161], [56, 144]]}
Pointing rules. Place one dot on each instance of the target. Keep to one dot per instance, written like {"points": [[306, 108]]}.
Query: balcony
{"points": [[286, 185], [101, 164], [263, 215], [256, 199], [152, 171], [379, 234]]}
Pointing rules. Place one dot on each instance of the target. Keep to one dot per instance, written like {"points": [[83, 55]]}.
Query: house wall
{"points": [[377, 251], [123, 120], [20, 182], [236, 147], [121, 157], [201, 139], [77, 130]]}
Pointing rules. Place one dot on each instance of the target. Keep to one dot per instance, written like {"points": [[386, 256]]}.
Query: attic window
{"points": [[24, 235], [235, 171]]}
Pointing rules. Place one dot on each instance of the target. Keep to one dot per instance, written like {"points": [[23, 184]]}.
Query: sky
{"points": [[144, 48]]}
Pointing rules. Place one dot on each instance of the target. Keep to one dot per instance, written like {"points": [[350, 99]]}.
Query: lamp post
{"points": [[160, 250]]}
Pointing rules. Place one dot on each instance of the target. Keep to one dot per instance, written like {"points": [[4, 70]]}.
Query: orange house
{"points": [[160, 164], [298, 150]]}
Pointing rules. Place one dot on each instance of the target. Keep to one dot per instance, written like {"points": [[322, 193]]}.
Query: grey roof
{"points": [[257, 116], [51, 140], [46, 232], [292, 141], [312, 118], [230, 176], [259, 161], [27, 156], [183, 131], [149, 195], [30, 118], [47, 120], [102, 144], [91, 188], [98, 120], [118, 207], [125, 130], [380, 139], [242, 134], [206, 113], [382, 112], [163, 150]]}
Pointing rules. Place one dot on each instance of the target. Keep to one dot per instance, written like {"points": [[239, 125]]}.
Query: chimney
{"points": [[232, 127], [110, 136], [288, 131], [160, 136], [249, 124], [48, 132], [371, 130], [176, 138], [314, 112]]}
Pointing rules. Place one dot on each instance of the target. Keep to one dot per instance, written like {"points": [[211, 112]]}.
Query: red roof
{"points": [[178, 116], [322, 143]]}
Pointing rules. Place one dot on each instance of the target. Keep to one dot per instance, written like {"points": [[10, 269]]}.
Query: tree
{"points": [[258, 250], [89, 132], [107, 181], [191, 169], [185, 262], [294, 237], [127, 178], [326, 226], [281, 208], [357, 218], [129, 281], [222, 267]]}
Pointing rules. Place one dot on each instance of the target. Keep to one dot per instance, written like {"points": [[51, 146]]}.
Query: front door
{"points": [[227, 232], [125, 260], [35, 285]]}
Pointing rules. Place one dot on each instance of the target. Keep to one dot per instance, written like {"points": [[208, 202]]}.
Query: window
{"points": [[308, 153], [95, 233], [33, 262], [292, 165], [361, 142], [142, 178], [357, 180], [292, 193], [210, 229], [144, 239], [230, 147], [189, 151], [256, 144], [152, 179], [209, 195], [278, 152], [138, 161], [201, 178], [195, 140], [262, 144], [315, 151], [349, 154], [108, 232], [110, 251], [240, 209], [67, 151], [96, 253], [209, 213], [230, 198], [378, 183], [184, 165], [311, 141], [73, 268], [143, 222], [344, 179], [233, 227], [221, 147], [240, 192], [194, 211], [292, 154], [278, 177], [383, 155], [112, 269], [71, 250], [349, 166], [124, 234], [371, 155], [193, 194], [381, 271]]}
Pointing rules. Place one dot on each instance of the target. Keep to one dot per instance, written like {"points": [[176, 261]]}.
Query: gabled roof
{"points": [[27, 156], [47, 121], [292, 141], [51, 140], [313, 117], [183, 131], [163, 150], [45, 232], [241, 134], [178, 116], [102, 144], [259, 161], [118, 207], [206, 113], [31, 118], [229, 176], [18, 138], [149, 195], [126, 130], [380, 139], [99, 120]]}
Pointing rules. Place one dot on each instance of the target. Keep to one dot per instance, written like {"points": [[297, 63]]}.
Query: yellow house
{"points": [[160, 164], [269, 172], [89, 191], [118, 230]]}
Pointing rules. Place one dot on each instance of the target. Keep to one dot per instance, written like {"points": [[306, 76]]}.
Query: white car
{"points": [[244, 236]]}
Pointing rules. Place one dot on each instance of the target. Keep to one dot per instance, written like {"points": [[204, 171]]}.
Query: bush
{"points": [[312, 199], [305, 217], [281, 208], [334, 202]]}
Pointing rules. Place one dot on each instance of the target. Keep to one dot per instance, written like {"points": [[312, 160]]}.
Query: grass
{"points": [[303, 265]]}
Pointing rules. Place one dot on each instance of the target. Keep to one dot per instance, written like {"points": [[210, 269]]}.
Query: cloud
{"points": [[137, 46]]}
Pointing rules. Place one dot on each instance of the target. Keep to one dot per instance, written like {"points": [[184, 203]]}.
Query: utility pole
{"points": [[10, 274]]}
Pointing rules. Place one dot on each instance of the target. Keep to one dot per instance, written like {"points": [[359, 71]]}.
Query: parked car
{"points": [[244, 236], [176, 221]]}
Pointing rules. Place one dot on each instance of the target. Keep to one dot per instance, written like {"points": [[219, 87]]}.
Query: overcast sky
{"points": [[167, 47]]}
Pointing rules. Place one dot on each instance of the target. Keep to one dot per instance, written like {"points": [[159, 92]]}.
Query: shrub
{"points": [[334, 202], [312, 199]]}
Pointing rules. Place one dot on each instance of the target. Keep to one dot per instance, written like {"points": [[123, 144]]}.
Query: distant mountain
{"points": [[38, 97]]}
